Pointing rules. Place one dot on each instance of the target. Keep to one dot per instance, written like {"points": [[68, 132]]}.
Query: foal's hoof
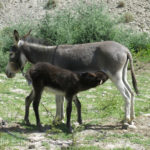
{"points": [[70, 130], [40, 128], [26, 122], [80, 121]]}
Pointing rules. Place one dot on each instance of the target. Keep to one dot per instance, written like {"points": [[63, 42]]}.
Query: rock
{"points": [[146, 115], [31, 147], [2, 122]]}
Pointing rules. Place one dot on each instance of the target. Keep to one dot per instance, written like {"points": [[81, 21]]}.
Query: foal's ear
{"points": [[16, 35], [27, 34], [87, 75]]}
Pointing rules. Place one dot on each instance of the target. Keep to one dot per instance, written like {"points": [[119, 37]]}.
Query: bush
{"points": [[121, 4], [6, 35], [128, 17], [7, 40], [80, 23], [50, 4], [3, 61], [84, 23]]}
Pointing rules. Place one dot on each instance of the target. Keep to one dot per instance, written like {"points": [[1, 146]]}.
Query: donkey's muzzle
{"points": [[9, 74]]}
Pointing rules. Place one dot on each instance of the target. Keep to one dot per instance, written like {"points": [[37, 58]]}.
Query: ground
{"points": [[101, 127], [111, 132]]}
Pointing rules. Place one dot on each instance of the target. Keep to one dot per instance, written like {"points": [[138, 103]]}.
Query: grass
{"points": [[101, 107]]}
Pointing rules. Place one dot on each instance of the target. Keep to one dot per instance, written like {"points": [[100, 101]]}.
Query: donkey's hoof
{"points": [[57, 121], [128, 126], [125, 126], [132, 126]]}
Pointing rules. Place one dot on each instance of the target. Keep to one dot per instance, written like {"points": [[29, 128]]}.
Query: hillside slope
{"points": [[138, 12]]}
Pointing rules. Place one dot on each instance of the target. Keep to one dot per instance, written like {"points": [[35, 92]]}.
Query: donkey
{"points": [[62, 82], [108, 56]]}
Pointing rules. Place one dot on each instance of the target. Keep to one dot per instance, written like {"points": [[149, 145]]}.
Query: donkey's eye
{"points": [[12, 55]]}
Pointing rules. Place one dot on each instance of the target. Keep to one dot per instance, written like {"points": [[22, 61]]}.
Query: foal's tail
{"points": [[134, 82]]}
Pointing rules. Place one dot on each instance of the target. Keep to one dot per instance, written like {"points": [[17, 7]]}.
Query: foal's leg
{"points": [[68, 112], [78, 107], [36, 101], [59, 108], [28, 101]]}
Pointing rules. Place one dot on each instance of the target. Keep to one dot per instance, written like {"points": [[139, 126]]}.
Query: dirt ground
{"points": [[36, 139]]}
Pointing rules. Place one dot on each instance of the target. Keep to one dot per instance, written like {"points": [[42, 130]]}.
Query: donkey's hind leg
{"points": [[28, 101], [78, 107], [124, 77], [117, 80]]}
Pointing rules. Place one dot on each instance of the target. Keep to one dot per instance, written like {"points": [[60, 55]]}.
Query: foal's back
{"points": [[62, 80]]}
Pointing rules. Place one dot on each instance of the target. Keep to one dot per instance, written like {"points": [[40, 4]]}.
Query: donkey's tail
{"points": [[134, 82]]}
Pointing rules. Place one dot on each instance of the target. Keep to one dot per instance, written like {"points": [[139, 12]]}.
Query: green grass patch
{"points": [[9, 141]]}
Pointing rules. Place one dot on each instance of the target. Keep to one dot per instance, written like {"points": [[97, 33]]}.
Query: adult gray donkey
{"points": [[110, 57]]}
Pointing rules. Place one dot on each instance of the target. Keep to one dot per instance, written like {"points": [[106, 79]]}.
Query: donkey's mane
{"points": [[31, 39], [38, 46]]}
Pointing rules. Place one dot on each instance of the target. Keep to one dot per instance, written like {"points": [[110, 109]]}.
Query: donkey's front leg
{"points": [[28, 101], [68, 112], [59, 109]]}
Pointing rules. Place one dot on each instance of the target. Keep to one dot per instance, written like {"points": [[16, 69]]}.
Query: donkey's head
{"points": [[16, 59]]}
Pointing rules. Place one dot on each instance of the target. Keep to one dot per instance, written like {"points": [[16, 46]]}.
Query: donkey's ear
{"points": [[16, 35], [27, 34]]}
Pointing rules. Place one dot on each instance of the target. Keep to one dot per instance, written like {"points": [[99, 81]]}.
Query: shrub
{"points": [[80, 23], [83, 23], [6, 35], [50, 4], [128, 17], [7, 40], [3, 60], [120, 4]]}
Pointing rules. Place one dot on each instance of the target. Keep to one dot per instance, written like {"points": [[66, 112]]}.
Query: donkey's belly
{"points": [[54, 91]]}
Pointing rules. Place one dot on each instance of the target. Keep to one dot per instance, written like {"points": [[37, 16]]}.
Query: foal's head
{"points": [[93, 79], [16, 59]]}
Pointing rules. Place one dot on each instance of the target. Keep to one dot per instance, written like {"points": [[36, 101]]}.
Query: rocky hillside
{"points": [[135, 12]]}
